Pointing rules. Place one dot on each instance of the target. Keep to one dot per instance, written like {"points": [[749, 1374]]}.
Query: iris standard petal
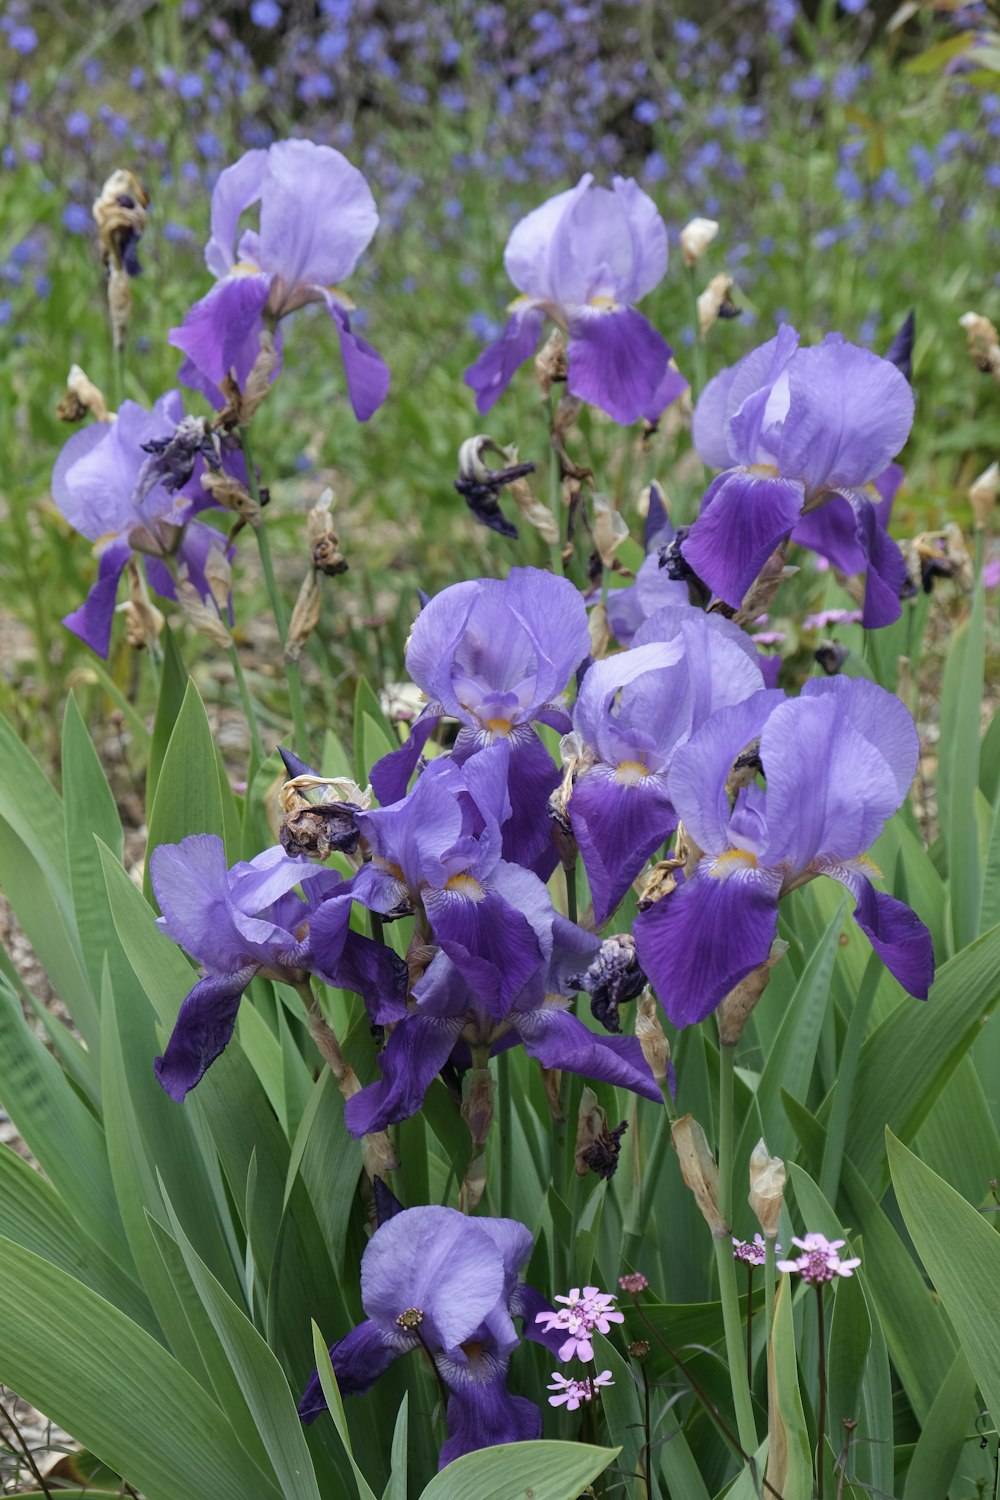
{"points": [[365, 371], [708, 424], [222, 331], [558, 1040], [880, 717], [415, 1052], [534, 250], [700, 768], [438, 1261], [92, 621], [850, 412], [744, 517], [202, 1030], [617, 360], [491, 374], [758, 398], [895, 932], [830, 790], [696, 944], [317, 214], [236, 188]]}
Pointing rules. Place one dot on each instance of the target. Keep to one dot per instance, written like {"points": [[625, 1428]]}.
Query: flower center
{"points": [[732, 861], [410, 1319], [467, 886], [631, 772], [499, 726]]}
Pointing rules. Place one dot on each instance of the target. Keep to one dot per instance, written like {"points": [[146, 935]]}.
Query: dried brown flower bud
{"points": [[550, 362], [319, 815], [735, 1009], [143, 621], [608, 529], [982, 343], [599, 630], [477, 1104], [696, 236], [119, 304], [762, 592], [699, 1170], [597, 1147], [120, 215], [305, 616], [552, 1084], [767, 1189], [715, 303], [82, 396], [259, 380], [230, 494], [323, 539], [983, 494], [940, 554], [650, 1036]]}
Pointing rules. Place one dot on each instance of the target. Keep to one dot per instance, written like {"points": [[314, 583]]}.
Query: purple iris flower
{"points": [[838, 762], [317, 216], [246, 921], [496, 656], [101, 486], [633, 711], [436, 1279], [582, 259], [801, 435]]}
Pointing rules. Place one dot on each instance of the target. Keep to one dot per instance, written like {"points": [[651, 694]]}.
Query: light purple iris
{"points": [[633, 711], [802, 435], [246, 921], [496, 655], [838, 762], [317, 216], [435, 1279], [100, 486], [583, 259]]}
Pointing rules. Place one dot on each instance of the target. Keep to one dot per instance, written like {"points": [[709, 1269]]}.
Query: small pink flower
{"points": [[819, 1261], [572, 1393], [827, 617], [584, 1312], [634, 1283], [752, 1252]]}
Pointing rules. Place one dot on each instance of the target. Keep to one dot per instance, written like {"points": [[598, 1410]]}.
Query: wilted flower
{"points": [[838, 762], [435, 1279], [572, 1393], [696, 236], [584, 1313], [613, 979], [107, 486], [582, 259], [803, 435], [819, 1261], [480, 486], [317, 216]]}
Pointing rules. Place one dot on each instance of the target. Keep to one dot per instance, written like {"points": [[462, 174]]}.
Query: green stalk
{"points": [[506, 1136], [836, 1133], [728, 1294], [821, 1415], [256, 743], [700, 373], [292, 676]]}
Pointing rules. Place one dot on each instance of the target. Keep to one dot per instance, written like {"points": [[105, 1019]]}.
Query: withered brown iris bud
{"points": [[320, 830], [613, 979], [480, 485], [602, 1155]]}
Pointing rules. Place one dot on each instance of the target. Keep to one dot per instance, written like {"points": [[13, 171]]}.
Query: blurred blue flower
{"points": [[23, 39], [77, 219], [266, 14], [77, 123]]}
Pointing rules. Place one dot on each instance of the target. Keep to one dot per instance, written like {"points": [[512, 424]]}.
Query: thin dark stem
{"points": [[749, 1323], [647, 1447], [821, 1419], [571, 894], [25, 1450], [705, 1399]]}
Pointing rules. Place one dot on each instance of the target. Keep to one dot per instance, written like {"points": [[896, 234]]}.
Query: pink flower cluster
{"points": [[819, 1261], [752, 1252], [584, 1313], [572, 1393]]}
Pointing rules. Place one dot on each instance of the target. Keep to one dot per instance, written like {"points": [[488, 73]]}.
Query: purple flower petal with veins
{"points": [[838, 762], [583, 259], [317, 217]]}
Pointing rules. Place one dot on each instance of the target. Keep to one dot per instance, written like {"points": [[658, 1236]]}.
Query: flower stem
{"points": [[278, 607], [257, 744], [571, 894], [698, 383], [821, 1418], [506, 1136], [647, 1447], [843, 1094], [728, 1294]]}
